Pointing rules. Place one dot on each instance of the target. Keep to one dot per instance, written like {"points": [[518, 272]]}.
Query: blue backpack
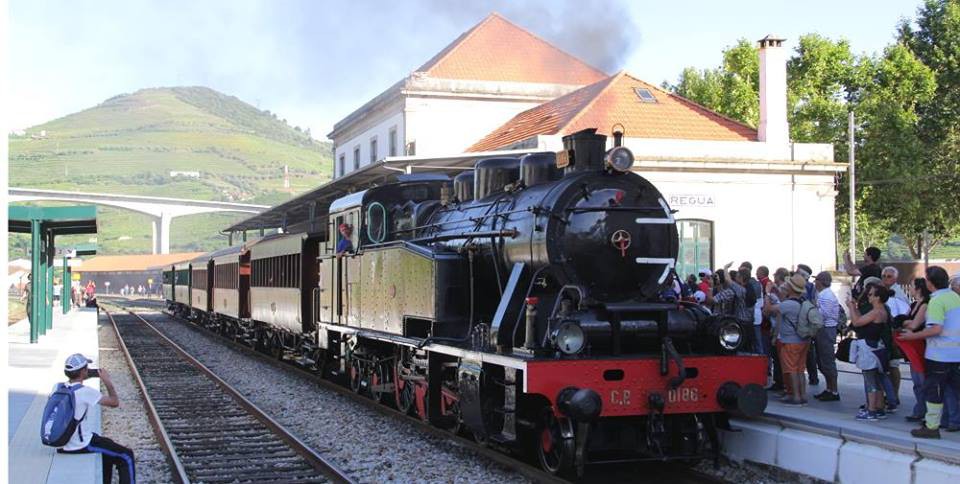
{"points": [[58, 423]]}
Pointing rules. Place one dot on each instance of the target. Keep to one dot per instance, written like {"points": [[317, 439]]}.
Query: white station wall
{"points": [[380, 130], [440, 126], [777, 220]]}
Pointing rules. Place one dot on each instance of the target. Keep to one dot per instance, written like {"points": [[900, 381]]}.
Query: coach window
{"points": [[696, 246], [296, 271]]}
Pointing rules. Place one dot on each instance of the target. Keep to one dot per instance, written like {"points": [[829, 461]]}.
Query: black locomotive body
{"points": [[518, 303]]}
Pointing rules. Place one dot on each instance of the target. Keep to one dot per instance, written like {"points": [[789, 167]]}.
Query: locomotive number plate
{"points": [[620, 397], [683, 395]]}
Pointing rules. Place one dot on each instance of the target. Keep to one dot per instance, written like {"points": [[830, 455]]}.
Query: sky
{"points": [[314, 62]]}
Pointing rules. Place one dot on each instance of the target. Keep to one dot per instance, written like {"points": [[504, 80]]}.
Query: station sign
{"points": [[69, 253], [73, 263], [704, 200]]}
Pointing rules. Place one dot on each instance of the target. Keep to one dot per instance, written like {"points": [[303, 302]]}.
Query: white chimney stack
{"points": [[773, 91]]}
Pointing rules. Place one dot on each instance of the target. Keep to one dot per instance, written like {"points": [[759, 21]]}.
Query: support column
{"points": [[154, 225], [51, 265], [40, 278], [65, 284], [161, 233], [34, 314]]}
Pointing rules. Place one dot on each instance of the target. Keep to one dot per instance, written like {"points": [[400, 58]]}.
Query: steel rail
{"points": [[179, 472], [526, 470], [316, 460]]}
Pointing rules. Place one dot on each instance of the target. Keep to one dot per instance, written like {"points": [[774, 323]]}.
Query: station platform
{"points": [[824, 440], [33, 371]]}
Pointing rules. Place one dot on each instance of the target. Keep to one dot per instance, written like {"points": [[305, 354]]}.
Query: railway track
{"points": [[209, 431], [655, 473]]}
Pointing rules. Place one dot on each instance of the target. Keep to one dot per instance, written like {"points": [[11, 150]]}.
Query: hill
{"points": [[132, 142]]}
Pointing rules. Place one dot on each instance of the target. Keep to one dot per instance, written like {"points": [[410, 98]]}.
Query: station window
{"points": [[373, 149], [341, 165], [392, 146], [356, 157], [696, 246]]}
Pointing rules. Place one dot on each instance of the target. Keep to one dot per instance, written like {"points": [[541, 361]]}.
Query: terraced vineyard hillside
{"points": [[133, 142]]}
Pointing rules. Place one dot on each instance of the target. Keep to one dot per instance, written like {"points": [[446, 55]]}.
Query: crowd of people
{"points": [[800, 323]]}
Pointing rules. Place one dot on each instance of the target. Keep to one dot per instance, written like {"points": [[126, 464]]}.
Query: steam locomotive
{"points": [[518, 304]]}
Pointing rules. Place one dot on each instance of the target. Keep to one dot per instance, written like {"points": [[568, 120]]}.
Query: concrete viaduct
{"points": [[163, 210]]}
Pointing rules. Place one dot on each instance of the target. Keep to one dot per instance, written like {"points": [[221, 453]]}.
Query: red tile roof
{"points": [[614, 101], [498, 50], [116, 263]]}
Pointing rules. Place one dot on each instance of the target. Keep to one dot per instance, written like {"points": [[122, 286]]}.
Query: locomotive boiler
{"points": [[518, 303]]}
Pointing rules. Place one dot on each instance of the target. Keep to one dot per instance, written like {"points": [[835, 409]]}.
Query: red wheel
{"points": [[356, 375], [555, 453], [404, 391]]}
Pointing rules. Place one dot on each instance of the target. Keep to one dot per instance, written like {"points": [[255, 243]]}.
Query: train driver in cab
{"points": [[344, 245]]}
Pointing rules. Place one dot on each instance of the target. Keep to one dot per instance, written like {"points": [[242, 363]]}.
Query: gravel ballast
{"points": [[370, 446], [128, 424]]}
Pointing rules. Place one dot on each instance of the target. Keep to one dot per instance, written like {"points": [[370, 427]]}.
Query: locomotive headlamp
{"points": [[620, 159], [730, 335], [569, 338]]}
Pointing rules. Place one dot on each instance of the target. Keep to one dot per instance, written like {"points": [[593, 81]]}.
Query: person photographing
{"points": [[83, 440]]}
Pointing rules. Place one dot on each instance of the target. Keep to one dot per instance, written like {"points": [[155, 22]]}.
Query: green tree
{"points": [[892, 149], [916, 112], [822, 76], [732, 89], [936, 43]]}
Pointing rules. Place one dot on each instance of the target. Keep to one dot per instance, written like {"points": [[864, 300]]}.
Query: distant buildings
{"points": [[112, 272], [186, 174]]}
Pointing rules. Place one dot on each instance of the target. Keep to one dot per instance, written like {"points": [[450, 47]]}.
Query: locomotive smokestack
{"points": [[585, 150]]}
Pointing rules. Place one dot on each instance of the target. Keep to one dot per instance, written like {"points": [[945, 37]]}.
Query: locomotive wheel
{"points": [[276, 347], [555, 454], [452, 420], [379, 376], [404, 392], [356, 375]]}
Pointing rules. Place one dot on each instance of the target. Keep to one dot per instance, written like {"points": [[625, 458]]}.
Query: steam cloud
{"points": [[601, 33]]}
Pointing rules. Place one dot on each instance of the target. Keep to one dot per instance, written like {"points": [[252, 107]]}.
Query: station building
{"points": [[111, 272], [740, 193]]}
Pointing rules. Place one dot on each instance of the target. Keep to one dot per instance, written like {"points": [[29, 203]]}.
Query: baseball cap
{"points": [[705, 273], [700, 296], [76, 361]]}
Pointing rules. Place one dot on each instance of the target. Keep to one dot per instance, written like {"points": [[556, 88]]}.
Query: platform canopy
{"points": [[44, 224], [308, 212], [79, 219]]}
